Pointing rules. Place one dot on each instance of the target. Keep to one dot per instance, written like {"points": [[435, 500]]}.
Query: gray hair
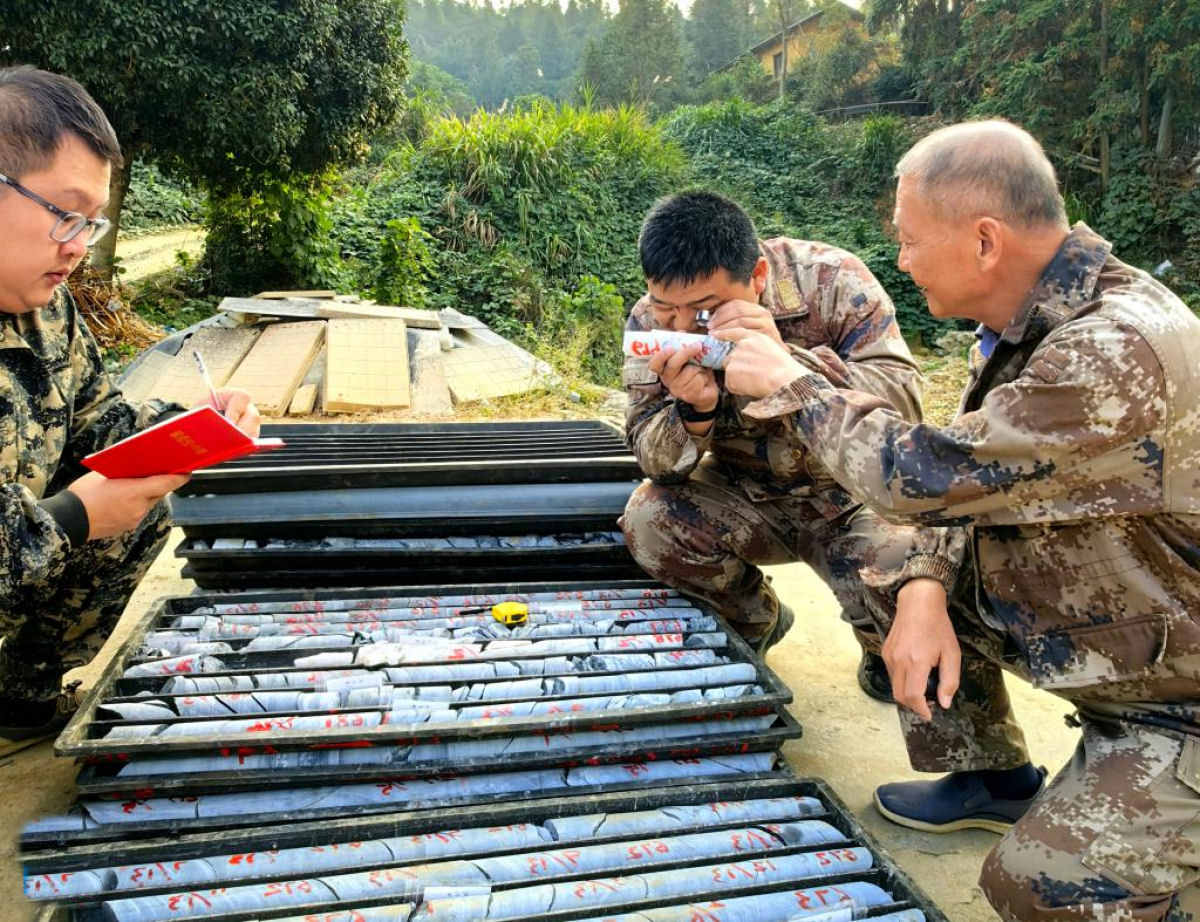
{"points": [[37, 110], [985, 168]]}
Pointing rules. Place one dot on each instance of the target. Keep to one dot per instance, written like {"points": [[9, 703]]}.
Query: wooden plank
{"points": [[277, 363], [275, 295], [489, 371], [223, 349], [295, 308], [138, 384], [367, 365], [304, 400], [430, 392], [412, 316]]}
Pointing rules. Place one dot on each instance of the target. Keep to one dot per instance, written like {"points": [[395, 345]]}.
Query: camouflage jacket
{"points": [[56, 405], [827, 306], [1074, 464]]}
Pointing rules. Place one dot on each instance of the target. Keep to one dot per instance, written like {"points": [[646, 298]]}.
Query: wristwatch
{"points": [[689, 414]]}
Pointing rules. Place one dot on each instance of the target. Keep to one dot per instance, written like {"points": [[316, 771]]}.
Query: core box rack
{"points": [[362, 686], [376, 504], [767, 847]]}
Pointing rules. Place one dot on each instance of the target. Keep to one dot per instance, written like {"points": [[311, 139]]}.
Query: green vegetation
{"points": [[155, 201], [526, 220], [525, 212]]}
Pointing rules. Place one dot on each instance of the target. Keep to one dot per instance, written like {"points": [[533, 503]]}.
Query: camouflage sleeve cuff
{"points": [[930, 566], [680, 437], [789, 398], [69, 514]]}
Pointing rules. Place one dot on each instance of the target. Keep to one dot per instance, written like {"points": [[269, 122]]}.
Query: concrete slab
{"points": [[427, 374], [366, 366], [142, 381], [223, 349], [483, 372], [303, 400], [277, 363], [292, 308], [276, 295]]}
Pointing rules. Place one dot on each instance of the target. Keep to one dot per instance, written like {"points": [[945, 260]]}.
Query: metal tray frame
{"points": [[441, 511], [94, 780], [251, 568], [493, 453], [76, 740], [532, 810]]}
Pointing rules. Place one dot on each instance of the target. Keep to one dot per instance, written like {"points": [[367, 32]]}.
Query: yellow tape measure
{"points": [[511, 613]]}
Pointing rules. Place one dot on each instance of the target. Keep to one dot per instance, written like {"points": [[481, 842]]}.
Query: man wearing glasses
{"points": [[73, 544], [726, 493]]}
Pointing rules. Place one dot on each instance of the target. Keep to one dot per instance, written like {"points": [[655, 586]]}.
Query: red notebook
{"points": [[198, 438]]}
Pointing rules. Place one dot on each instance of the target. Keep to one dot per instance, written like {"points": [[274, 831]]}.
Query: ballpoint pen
{"points": [[212, 391]]}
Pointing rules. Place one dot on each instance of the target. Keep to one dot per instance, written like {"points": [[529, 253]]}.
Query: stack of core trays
{"points": [[362, 756], [389, 504], [763, 847], [216, 699]]}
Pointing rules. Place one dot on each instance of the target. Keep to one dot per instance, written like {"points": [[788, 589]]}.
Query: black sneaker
{"points": [[16, 738], [956, 801], [873, 678], [783, 623]]}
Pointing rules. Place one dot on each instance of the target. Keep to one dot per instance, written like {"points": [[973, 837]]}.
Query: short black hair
{"points": [[693, 234], [37, 110]]}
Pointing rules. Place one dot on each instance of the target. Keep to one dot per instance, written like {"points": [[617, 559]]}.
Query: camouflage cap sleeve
{"points": [[1077, 433]]}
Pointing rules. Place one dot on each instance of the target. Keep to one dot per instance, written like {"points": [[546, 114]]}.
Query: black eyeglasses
{"points": [[70, 224]]}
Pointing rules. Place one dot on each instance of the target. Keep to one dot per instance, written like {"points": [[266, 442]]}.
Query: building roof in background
{"points": [[796, 26]]}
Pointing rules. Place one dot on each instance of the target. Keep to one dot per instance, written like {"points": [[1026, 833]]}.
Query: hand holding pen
{"points": [[235, 404]]}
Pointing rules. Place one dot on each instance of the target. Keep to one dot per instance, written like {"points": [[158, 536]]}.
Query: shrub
{"points": [[271, 234], [155, 200]]}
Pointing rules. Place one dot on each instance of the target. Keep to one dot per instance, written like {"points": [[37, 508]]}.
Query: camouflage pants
{"points": [[52, 627], [1115, 837], [706, 538]]}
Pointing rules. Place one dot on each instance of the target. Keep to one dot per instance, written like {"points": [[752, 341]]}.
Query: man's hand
{"points": [[117, 506], [744, 315], [758, 364], [920, 639], [690, 383], [238, 408]]}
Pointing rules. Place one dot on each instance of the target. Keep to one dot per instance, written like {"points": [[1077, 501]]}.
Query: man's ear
{"points": [[989, 243], [758, 277]]}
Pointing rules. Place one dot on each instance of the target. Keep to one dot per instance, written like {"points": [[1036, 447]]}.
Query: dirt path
{"points": [[142, 256]]}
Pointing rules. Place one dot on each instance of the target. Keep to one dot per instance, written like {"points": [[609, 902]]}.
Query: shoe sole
{"points": [[998, 826]]}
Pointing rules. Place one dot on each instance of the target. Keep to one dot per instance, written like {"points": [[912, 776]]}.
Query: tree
{"points": [[639, 58], [719, 31], [223, 93], [930, 32]]}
